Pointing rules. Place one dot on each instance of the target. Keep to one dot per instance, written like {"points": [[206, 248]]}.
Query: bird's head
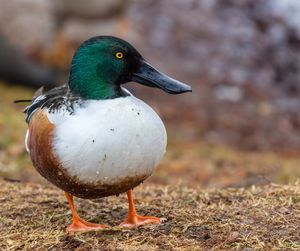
{"points": [[102, 64]]}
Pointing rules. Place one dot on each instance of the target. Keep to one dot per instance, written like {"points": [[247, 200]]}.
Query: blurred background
{"points": [[241, 124]]}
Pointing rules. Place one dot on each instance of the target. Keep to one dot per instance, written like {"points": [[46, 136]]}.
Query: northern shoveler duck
{"points": [[92, 138]]}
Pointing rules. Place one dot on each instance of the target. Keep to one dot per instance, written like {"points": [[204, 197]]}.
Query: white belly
{"points": [[109, 140]]}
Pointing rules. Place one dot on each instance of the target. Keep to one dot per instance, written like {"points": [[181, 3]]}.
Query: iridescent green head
{"points": [[102, 64]]}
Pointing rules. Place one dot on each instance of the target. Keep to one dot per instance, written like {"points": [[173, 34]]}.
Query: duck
{"points": [[91, 137]]}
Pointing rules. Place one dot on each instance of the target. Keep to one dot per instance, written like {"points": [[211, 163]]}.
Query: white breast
{"points": [[107, 140]]}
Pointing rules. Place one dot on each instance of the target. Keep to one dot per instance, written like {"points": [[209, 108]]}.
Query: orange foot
{"points": [[134, 221], [80, 225]]}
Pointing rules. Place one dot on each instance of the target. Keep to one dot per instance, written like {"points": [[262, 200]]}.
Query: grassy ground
{"points": [[248, 212], [34, 217]]}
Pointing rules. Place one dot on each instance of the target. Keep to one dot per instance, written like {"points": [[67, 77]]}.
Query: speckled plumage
{"points": [[104, 143]]}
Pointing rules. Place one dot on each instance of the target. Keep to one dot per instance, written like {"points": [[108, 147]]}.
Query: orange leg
{"points": [[78, 224], [133, 219]]}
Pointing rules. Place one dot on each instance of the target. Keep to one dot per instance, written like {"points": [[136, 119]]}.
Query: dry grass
{"points": [[34, 217]]}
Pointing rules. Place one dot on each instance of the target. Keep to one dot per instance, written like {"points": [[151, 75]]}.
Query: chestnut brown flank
{"points": [[46, 163]]}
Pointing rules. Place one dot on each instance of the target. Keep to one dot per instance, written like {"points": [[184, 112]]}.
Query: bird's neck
{"points": [[90, 81]]}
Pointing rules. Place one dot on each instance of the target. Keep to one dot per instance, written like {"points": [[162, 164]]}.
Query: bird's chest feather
{"points": [[109, 140]]}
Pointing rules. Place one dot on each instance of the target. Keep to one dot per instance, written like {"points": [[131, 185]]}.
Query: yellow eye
{"points": [[119, 55]]}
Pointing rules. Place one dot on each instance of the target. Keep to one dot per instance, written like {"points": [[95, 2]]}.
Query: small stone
{"points": [[233, 236]]}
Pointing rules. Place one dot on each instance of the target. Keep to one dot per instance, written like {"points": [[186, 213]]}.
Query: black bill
{"points": [[149, 76]]}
